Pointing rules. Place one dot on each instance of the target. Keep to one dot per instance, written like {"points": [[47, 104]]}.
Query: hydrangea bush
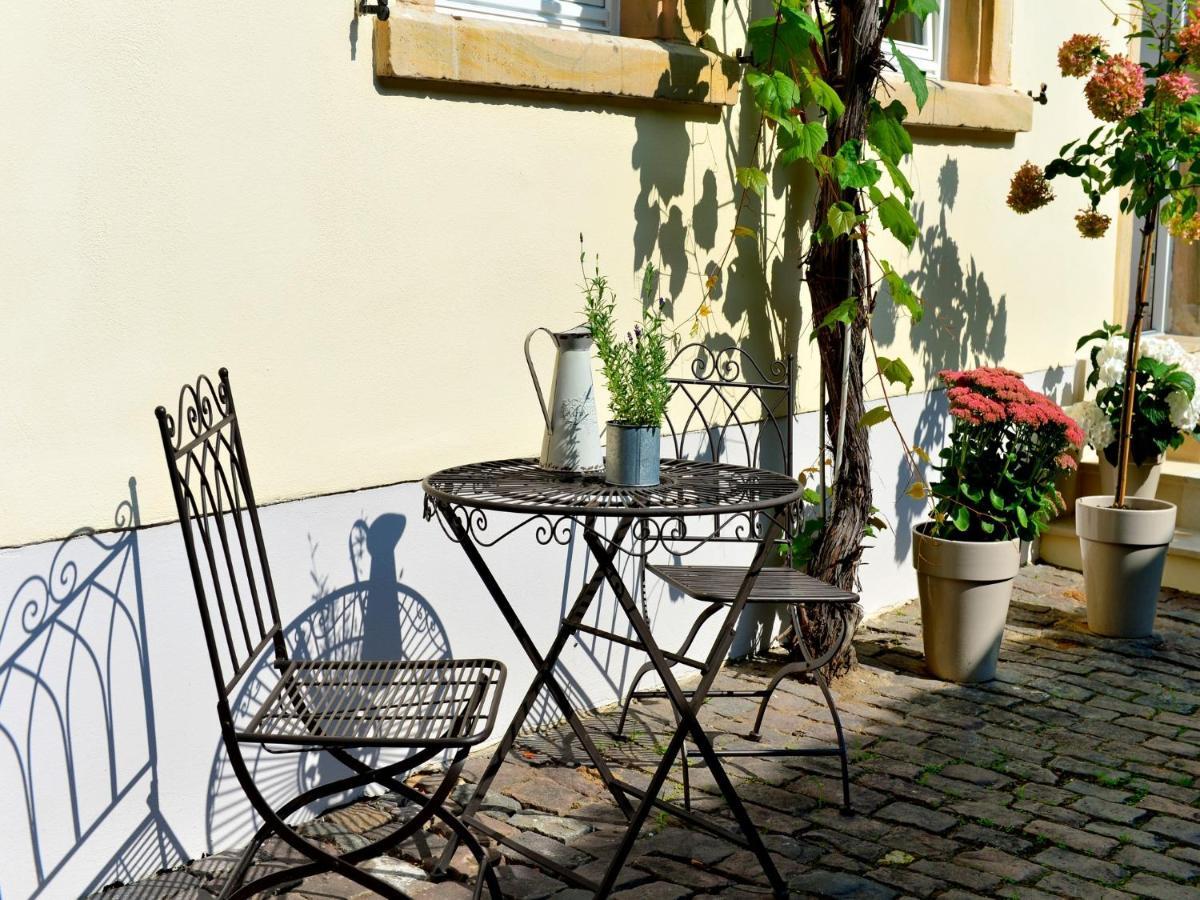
{"points": [[1148, 138], [1167, 406], [1008, 445]]}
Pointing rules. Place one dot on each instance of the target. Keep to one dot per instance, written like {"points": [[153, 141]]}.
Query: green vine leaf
{"points": [[902, 292], [851, 170], [895, 217], [874, 416], [803, 142], [896, 372], [744, 231], [825, 96], [792, 40], [898, 179], [753, 179], [775, 94], [886, 133], [842, 219], [913, 76], [922, 9], [845, 312]]}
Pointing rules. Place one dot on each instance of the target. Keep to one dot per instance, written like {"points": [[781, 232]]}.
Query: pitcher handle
{"points": [[533, 374]]}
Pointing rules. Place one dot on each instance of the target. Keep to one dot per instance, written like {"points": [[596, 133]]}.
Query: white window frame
{"points": [[1164, 248], [930, 56], [597, 16]]}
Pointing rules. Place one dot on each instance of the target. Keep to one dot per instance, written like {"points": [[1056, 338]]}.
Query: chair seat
{"points": [[720, 584], [378, 703]]}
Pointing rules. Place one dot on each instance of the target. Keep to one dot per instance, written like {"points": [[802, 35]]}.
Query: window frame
{"points": [[930, 56], [602, 17]]}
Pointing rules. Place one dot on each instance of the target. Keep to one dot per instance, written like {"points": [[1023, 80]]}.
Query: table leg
{"points": [[544, 666], [687, 710]]}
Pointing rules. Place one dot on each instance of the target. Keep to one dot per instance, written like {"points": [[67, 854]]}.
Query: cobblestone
{"points": [[1075, 774]]}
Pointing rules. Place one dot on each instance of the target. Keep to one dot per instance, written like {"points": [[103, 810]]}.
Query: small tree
{"points": [[816, 76], [1145, 150]]}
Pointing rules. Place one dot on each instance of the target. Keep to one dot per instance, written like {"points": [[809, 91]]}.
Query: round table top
{"points": [[688, 488]]}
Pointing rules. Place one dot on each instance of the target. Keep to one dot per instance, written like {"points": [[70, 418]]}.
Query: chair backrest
{"points": [[221, 531], [725, 407]]}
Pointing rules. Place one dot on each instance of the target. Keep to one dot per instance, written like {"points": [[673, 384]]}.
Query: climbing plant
{"points": [[817, 75]]}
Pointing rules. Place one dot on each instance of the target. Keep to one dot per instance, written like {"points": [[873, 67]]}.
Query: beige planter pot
{"points": [[1143, 480], [965, 588], [1124, 552]]}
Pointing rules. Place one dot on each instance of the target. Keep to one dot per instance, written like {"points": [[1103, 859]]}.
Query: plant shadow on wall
{"points": [[77, 724], [754, 280], [964, 325]]}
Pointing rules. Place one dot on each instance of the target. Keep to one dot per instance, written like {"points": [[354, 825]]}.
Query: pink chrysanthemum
{"points": [[1174, 88], [1189, 38], [1092, 224], [1116, 90], [1029, 189], [1078, 54], [997, 396]]}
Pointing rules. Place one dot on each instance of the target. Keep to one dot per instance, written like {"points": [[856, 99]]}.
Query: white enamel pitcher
{"points": [[571, 442]]}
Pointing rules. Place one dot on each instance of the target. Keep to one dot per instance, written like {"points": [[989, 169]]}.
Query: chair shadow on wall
{"points": [[376, 616], [964, 326], [77, 725]]}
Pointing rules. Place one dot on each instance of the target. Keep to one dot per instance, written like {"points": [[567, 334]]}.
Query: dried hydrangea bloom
{"points": [[1184, 229], [1092, 224], [1078, 53], [1174, 88], [1029, 189], [1116, 90], [1189, 38]]}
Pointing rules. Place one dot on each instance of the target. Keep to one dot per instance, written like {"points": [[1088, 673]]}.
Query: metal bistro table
{"points": [[463, 496]]}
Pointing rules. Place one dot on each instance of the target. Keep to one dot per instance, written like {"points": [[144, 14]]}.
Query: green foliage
{"points": [[788, 83], [896, 371], [913, 76], [876, 415], [997, 480], [635, 369], [845, 312], [752, 178]]}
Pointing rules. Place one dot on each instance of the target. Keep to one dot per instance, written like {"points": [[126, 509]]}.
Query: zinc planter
{"points": [[632, 455], [1124, 552], [1143, 480], [965, 588]]}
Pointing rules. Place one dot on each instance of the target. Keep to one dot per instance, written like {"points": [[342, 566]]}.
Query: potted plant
{"points": [[635, 371], [1166, 408], [1149, 131], [1007, 446]]}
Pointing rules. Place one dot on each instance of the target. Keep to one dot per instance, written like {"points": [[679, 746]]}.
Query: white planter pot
{"points": [[965, 588], [1142, 482], [1124, 552]]}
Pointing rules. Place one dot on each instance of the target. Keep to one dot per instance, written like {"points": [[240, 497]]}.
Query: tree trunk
{"points": [[835, 272]]}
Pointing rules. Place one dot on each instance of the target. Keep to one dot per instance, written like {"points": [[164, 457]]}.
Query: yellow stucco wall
{"points": [[193, 185]]}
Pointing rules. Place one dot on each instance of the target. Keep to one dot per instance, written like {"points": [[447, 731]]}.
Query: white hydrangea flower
{"points": [[1185, 413], [1097, 428], [1110, 361]]}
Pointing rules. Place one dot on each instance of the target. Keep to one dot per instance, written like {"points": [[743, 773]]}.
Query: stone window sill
{"points": [[973, 107], [420, 45]]}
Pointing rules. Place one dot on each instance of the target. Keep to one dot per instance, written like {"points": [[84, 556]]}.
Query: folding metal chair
{"points": [[429, 707], [743, 414]]}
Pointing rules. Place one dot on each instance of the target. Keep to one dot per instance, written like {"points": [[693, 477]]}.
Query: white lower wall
{"points": [[120, 764]]}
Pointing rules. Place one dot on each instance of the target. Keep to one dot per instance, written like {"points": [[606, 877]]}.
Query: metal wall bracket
{"points": [[379, 9]]}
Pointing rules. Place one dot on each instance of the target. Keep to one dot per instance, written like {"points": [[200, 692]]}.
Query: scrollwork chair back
{"points": [[222, 535]]}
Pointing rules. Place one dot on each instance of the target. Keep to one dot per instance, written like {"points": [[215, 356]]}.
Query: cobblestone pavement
{"points": [[1075, 774]]}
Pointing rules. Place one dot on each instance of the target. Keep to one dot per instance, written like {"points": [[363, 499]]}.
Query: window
{"points": [[584, 15], [1175, 290], [922, 42]]}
